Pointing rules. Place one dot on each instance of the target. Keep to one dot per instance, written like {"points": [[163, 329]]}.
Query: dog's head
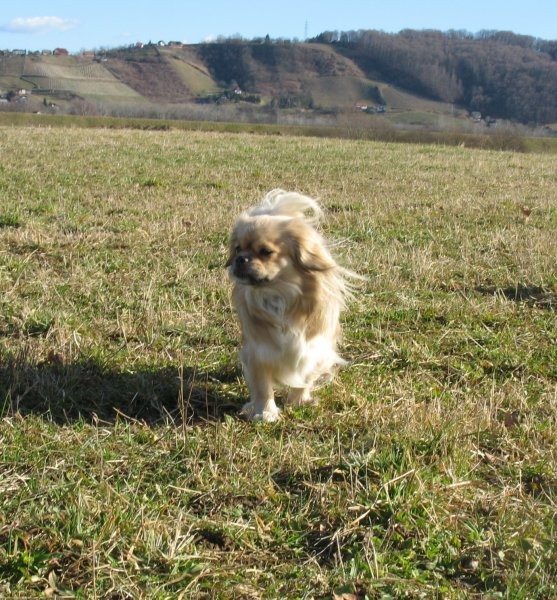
{"points": [[267, 248]]}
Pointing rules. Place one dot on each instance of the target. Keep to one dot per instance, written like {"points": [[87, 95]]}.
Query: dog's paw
{"points": [[300, 397], [255, 412]]}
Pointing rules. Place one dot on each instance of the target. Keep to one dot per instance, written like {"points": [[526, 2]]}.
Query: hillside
{"points": [[501, 74], [423, 78], [268, 80]]}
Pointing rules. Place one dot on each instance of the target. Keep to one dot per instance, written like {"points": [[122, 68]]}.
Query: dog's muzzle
{"points": [[242, 271]]}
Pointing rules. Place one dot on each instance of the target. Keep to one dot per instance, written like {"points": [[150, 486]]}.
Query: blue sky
{"points": [[93, 24]]}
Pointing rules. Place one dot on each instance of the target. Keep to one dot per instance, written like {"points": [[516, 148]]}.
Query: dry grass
{"points": [[427, 470]]}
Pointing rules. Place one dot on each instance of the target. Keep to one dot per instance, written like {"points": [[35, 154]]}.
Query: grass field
{"points": [[429, 468]]}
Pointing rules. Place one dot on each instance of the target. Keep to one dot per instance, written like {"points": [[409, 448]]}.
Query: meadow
{"points": [[427, 470]]}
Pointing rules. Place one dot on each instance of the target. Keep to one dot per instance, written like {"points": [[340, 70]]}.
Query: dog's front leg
{"points": [[261, 406]]}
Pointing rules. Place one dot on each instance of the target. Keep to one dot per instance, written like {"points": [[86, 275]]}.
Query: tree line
{"points": [[498, 73]]}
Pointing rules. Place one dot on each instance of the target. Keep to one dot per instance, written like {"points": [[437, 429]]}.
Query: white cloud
{"points": [[39, 24]]}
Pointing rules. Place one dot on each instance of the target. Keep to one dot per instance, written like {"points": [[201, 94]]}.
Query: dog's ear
{"points": [[232, 244], [307, 248], [231, 254]]}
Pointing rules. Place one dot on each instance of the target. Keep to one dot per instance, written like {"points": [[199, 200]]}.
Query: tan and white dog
{"points": [[288, 292]]}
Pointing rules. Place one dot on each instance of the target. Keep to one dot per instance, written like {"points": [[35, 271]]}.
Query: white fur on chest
{"points": [[273, 304], [294, 360]]}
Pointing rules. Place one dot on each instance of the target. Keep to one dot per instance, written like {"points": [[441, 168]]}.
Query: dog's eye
{"points": [[265, 252], [237, 249]]}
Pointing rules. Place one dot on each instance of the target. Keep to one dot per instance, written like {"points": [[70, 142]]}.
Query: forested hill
{"points": [[498, 73], [427, 75]]}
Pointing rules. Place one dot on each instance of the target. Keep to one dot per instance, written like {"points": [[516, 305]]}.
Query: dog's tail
{"points": [[288, 204]]}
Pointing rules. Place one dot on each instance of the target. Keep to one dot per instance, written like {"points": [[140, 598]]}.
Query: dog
{"points": [[288, 292]]}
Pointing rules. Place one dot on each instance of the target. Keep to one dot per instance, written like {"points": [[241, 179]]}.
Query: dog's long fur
{"points": [[288, 292]]}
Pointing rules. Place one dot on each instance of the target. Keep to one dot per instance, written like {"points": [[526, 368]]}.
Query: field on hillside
{"points": [[66, 74], [429, 467]]}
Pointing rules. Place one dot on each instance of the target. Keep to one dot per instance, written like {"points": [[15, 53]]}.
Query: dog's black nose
{"points": [[242, 260]]}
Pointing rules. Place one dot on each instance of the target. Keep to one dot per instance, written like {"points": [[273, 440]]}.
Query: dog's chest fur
{"points": [[275, 337]]}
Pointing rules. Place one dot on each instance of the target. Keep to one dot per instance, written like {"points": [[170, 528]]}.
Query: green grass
{"points": [[428, 469]]}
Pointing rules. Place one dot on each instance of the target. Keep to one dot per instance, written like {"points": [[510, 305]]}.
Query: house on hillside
{"points": [[60, 52]]}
